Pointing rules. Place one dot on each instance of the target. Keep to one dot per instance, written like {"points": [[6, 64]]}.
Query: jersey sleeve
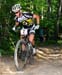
{"points": [[28, 15]]}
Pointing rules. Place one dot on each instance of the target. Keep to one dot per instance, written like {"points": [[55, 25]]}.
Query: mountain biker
{"points": [[26, 19]]}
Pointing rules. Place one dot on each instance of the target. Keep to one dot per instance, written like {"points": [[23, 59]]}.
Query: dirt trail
{"points": [[40, 66]]}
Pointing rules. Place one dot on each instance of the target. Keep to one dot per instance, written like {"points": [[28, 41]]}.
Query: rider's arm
{"points": [[37, 17], [16, 21], [16, 24]]}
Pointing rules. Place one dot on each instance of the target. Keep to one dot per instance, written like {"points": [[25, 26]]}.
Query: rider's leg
{"points": [[31, 39], [23, 52], [23, 45]]}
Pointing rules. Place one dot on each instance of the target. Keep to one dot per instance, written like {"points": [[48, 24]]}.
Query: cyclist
{"points": [[26, 19]]}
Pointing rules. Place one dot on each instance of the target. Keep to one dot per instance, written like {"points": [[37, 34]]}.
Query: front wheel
{"points": [[20, 56]]}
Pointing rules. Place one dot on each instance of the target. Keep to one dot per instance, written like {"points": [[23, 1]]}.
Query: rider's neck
{"points": [[20, 15]]}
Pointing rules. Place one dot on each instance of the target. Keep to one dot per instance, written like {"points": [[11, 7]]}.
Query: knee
{"points": [[31, 38]]}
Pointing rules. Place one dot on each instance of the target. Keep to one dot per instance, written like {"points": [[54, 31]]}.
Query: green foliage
{"points": [[8, 38]]}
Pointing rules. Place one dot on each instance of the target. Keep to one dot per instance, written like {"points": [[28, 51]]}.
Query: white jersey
{"points": [[26, 18]]}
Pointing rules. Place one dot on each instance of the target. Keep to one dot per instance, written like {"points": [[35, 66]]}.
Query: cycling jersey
{"points": [[26, 19]]}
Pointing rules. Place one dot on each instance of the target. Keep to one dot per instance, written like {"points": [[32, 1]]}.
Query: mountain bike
{"points": [[23, 53]]}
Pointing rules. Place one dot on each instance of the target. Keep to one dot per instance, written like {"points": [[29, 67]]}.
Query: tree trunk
{"points": [[48, 15], [58, 20], [49, 7]]}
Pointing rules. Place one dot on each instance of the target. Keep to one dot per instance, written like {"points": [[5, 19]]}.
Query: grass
{"points": [[59, 41], [49, 42]]}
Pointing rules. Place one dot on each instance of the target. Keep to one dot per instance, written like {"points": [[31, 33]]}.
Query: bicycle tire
{"points": [[22, 63]]}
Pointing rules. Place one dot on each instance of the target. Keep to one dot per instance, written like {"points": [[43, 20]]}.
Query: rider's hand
{"points": [[14, 28], [37, 26]]}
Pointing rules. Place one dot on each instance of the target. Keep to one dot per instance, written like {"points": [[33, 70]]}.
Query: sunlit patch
{"points": [[12, 72]]}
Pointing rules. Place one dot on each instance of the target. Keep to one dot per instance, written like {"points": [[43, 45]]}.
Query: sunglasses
{"points": [[16, 12]]}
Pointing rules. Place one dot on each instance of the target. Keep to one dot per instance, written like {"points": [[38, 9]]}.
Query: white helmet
{"points": [[16, 8]]}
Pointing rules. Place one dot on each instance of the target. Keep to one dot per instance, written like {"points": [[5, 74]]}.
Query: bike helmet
{"points": [[16, 8]]}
